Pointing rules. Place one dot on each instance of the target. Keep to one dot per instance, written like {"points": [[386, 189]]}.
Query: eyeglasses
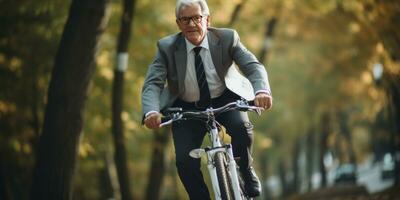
{"points": [[186, 20]]}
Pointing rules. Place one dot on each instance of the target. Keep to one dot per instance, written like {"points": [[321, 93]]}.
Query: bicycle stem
{"points": [[213, 130]]}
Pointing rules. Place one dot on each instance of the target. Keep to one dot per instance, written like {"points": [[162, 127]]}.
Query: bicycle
{"points": [[221, 164]]}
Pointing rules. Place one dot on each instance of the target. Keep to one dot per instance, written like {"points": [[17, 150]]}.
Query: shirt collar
{"points": [[190, 46]]}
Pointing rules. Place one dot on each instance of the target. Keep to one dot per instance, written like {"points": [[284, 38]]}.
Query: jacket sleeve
{"points": [[154, 82]]}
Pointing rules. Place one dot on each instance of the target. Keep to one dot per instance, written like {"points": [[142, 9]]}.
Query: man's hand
{"points": [[263, 100], [153, 121]]}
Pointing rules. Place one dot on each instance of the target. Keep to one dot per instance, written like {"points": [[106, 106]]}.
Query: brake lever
{"points": [[175, 117], [244, 105], [258, 110]]}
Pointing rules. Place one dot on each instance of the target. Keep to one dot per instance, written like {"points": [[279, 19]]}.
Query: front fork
{"points": [[232, 171], [216, 147]]}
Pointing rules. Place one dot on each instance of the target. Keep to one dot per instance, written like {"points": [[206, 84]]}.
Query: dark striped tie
{"points": [[205, 98]]}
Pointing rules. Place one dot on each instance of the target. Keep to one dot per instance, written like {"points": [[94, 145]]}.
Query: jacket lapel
{"points": [[180, 59], [216, 52]]}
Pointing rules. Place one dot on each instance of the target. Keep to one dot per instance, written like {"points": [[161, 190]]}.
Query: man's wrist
{"points": [[150, 112], [267, 92]]}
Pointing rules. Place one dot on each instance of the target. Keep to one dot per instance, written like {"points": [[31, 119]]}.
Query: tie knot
{"points": [[197, 50]]}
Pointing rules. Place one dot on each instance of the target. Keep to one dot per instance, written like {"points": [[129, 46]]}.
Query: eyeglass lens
{"points": [[186, 20]]}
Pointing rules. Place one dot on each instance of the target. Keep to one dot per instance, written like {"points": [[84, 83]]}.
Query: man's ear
{"points": [[208, 21]]}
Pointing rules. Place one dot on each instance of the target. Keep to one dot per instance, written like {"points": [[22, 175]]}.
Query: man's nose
{"points": [[192, 23]]}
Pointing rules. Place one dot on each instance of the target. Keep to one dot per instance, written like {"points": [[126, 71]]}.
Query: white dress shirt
{"points": [[215, 84]]}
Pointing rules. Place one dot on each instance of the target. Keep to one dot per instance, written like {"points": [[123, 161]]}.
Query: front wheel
{"points": [[224, 180]]}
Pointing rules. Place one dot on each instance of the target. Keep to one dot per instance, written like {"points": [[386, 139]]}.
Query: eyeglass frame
{"points": [[189, 19]]}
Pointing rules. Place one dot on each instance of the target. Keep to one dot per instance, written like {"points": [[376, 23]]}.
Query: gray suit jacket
{"points": [[166, 75]]}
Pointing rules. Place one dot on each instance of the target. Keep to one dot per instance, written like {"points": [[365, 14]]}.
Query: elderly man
{"points": [[195, 69]]}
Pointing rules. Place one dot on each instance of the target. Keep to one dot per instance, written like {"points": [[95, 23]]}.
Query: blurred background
{"points": [[334, 69]]}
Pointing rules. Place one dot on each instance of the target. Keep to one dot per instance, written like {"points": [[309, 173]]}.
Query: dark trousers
{"points": [[189, 135]]}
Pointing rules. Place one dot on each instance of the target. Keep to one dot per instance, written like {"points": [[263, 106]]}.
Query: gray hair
{"points": [[182, 3]]}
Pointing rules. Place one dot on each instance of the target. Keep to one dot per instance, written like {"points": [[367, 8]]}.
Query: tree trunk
{"points": [[394, 101], [325, 129], [310, 158], [344, 130], [105, 185], [295, 165], [5, 192], [73, 69], [158, 164], [269, 32], [175, 179], [282, 176], [117, 100], [236, 12], [386, 25]]}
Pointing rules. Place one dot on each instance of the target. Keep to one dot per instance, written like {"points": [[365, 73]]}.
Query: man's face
{"points": [[192, 24]]}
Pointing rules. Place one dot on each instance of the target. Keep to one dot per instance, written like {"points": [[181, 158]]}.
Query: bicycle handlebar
{"points": [[176, 114]]}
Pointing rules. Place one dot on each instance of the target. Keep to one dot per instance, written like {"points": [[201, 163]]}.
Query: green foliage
{"points": [[320, 62]]}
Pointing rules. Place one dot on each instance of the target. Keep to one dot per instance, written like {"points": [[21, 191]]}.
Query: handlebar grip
{"points": [[251, 103]]}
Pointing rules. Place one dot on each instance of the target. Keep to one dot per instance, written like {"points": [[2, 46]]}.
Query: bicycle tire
{"points": [[224, 181]]}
